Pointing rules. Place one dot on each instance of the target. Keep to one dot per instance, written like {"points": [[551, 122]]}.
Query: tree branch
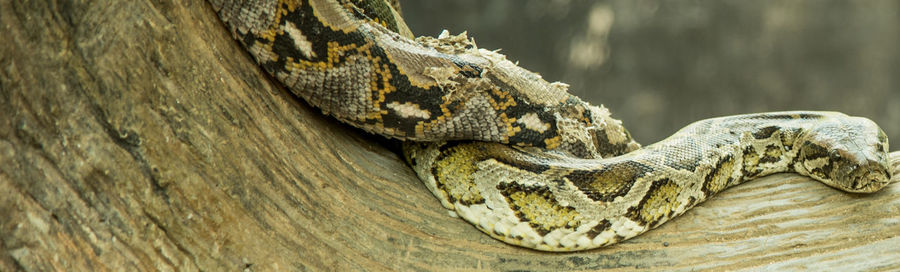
{"points": [[137, 135]]}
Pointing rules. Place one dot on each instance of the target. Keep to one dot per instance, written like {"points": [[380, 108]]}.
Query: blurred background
{"points": [[660, 65]]}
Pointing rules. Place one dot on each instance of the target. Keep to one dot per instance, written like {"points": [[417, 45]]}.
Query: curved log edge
{"points": [[136, 135]]}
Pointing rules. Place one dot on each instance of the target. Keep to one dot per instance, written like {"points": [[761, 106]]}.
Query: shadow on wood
{"points": [[136, 135]]}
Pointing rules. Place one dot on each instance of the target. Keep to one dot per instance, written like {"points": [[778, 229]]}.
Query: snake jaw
{"points": [[861, 177]]}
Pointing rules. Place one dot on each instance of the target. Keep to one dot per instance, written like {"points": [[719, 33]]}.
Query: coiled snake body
{"points": [[516, 156]]}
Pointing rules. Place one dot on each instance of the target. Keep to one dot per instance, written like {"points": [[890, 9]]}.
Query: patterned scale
{"points": [[519, 157]]}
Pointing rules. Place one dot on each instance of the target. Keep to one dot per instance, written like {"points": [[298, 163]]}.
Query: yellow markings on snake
{"points": [[553, 143], [661, 202], [509, 121], [537, 206], [773, 151], [505, 100], [720, 176], [751, 160], [454, 173]]}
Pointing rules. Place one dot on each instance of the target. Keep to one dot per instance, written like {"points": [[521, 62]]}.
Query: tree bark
{"points": [[137, 135]]}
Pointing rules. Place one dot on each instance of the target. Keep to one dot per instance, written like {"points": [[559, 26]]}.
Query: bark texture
{"points": [[137, 135]]}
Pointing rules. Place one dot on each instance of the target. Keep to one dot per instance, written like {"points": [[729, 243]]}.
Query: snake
{"points": [[518, 157]]}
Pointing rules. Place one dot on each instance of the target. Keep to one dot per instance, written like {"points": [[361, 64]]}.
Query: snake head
{"points": [[851, 156]]}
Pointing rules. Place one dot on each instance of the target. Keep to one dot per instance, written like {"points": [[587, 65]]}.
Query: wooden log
{"points": [[137, 135]]}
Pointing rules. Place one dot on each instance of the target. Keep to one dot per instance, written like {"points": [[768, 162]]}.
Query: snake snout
{"points": [[867, 178]]}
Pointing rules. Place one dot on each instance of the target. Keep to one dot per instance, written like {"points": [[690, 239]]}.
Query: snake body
{"points": [[521, 158]]}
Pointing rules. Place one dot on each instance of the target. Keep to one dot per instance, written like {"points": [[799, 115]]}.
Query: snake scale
{"points": [[518, 157]]}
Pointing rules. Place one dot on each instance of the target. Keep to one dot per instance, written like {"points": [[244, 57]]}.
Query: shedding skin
{"points": [[519, 157]]}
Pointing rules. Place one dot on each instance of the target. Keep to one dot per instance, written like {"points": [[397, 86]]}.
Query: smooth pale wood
{"points": [[136, 135]]}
